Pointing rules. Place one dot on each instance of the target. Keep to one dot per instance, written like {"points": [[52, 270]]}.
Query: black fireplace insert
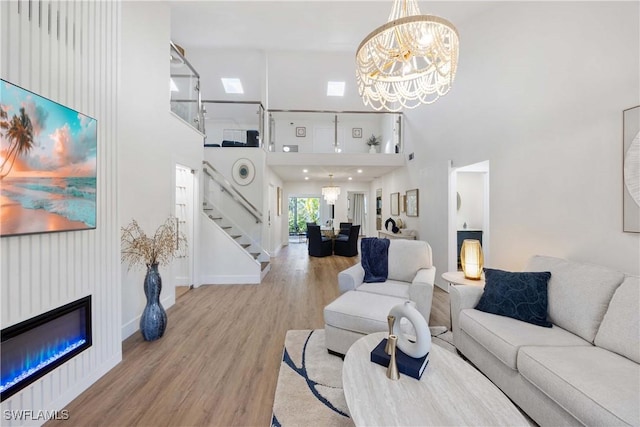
{"points": [[38, 345]]}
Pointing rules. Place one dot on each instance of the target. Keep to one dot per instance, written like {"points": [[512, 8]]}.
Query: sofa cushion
{"points": [[521, 296], [594, 385], [392, 288], [503, 336], [620, 328], [406, 257], [579, 294], [361, 312]]}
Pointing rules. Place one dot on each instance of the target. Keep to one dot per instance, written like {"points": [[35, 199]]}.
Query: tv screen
{"points": [[47, 165]]}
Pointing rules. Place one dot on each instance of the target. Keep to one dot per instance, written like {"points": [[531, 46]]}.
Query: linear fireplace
{"points": [[36, 346]]}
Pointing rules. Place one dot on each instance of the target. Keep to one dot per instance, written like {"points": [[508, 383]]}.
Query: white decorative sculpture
{"points": [[422, 344]]}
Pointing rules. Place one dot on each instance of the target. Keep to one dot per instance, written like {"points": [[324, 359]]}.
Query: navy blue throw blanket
{"points": [[375, 259]]}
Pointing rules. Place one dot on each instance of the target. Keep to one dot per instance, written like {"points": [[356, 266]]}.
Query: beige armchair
{"points": [[363, 307]]}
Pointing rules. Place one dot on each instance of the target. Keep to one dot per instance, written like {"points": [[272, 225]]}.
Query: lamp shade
{"points": [[472, 259]]}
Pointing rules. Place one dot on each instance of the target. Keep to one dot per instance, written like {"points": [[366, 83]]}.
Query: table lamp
{"points": [[471, 259]]}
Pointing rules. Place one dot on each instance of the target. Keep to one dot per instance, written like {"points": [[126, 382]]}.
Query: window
{"points": [[301, 211]]}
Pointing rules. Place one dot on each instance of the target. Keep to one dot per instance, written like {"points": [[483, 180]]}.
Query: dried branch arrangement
{"points": [[138, 249]]}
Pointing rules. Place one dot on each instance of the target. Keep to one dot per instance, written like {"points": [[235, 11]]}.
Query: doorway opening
{"points": [[302, 210], [468, 210], [183, 267]]}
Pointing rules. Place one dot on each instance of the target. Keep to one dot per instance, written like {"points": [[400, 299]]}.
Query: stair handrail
{"points": [[232, 191]]}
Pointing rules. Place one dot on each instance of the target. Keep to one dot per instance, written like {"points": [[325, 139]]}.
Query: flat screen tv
{"points": [[47, 165]]}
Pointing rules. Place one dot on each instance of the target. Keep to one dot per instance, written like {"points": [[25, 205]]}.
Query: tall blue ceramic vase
{"points": [[154, 319]]}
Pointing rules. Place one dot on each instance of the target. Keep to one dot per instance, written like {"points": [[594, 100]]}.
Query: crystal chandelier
{"points": [[410, 60], [330, 192]]}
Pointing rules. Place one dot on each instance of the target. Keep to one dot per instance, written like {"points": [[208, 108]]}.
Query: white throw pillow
{"points": [[620, 328], [579, 294]]}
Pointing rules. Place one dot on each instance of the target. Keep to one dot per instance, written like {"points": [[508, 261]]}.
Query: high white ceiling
{"points": [[309, 25], [302, 25]]}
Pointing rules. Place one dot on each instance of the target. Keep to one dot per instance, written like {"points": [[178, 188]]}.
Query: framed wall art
{"points": [[279, 201], [243, 172], [412, 202], [48, 165], [631, 169], [301, 131], [356, 133], [395, 203]]}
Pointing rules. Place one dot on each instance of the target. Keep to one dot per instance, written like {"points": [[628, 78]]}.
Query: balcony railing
{"points": [[185, 89], [233, 123], [334, 132]]}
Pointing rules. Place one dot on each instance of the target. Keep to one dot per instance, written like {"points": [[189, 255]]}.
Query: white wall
{"points": [[212, 64], [298, 80], [471, 190], [398, 181], [44, 271], [314, 189], [539, 92], [151, 141], [223, 160]]}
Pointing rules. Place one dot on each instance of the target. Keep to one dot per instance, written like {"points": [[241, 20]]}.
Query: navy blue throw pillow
{"points": [[521, 296]]}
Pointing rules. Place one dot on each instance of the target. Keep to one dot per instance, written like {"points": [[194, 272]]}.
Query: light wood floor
{"points": [[217, 364]]}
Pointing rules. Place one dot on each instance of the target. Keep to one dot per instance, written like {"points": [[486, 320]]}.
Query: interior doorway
{"points": [[469, 210], [302, 210], [183, 267]]}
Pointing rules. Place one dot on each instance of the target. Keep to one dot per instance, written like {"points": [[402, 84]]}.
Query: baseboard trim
{"points": [[231, 280]]}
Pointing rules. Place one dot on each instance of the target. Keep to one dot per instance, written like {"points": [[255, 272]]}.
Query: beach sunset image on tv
{"points": [[47, 165]]}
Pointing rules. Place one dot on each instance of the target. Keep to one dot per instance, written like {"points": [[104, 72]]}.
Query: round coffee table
{"points": [[451, 392]]}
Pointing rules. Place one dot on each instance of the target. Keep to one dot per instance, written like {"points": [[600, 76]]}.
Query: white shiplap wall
{"points": [[68, 52]]}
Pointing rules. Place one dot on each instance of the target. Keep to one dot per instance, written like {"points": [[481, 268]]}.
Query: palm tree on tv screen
{"points": [[20, 135]]}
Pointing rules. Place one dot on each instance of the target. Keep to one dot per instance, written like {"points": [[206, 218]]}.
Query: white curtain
{"points": [[359, 215]]}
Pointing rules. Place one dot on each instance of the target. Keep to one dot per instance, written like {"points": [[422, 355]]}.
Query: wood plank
{"points": [[218, 361]]}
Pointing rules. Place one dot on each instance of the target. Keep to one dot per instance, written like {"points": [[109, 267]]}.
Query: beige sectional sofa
{"points": [[585, 369]]}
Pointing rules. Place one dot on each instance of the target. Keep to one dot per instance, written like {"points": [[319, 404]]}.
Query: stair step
{"points": [[215, 218], [235, 236], [255, 255], [263, 265], [246, 245], [207, 209], [226, 227]]}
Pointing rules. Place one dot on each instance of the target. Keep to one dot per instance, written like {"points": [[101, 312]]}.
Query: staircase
{"points": [[232, 233], [244, 241]]}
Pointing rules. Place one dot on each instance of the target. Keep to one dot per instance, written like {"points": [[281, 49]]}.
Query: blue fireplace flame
{"points": [[35, 362]]}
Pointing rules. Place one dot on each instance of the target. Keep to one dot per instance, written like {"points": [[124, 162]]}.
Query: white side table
{"points": [[457, 278]]}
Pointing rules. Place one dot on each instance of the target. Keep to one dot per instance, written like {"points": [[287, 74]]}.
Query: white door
{"points": [[184, 213]]}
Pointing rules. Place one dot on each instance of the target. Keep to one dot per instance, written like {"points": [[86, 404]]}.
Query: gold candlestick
{"points": [[392, 369], [390, 320]]}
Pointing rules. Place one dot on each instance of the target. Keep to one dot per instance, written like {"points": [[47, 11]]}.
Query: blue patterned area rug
{"points": [[309, 390]]}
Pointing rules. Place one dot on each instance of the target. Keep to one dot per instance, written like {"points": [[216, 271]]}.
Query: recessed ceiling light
{"points": [[173, 86], [335, 89], [359, 170], [232, 85], [305, 170], [306, 178], [350, 178]]}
